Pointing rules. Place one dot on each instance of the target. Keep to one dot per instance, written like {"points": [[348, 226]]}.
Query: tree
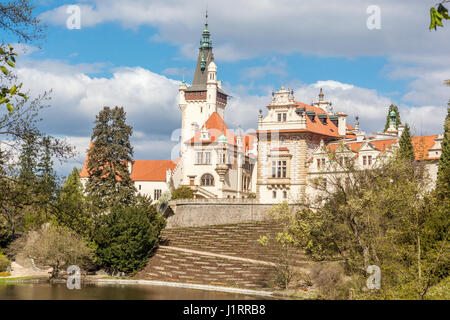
{"points": [[56, 247], [388, 118], [443, 177], [17, 18], [72, 209], [183, 192], [126, 237], [406, 150], [381, 216], [108, 159]]}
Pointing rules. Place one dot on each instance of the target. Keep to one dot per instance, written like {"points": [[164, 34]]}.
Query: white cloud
{"points": [[256, 27], [150, 101]]}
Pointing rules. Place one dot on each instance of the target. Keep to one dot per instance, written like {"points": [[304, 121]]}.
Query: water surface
{"points": [[91, 291]]}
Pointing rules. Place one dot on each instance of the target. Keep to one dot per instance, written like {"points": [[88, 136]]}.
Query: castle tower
{"points": [[205, 96]]}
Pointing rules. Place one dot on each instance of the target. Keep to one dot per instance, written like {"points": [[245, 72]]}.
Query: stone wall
{"points": [[207, 212]]}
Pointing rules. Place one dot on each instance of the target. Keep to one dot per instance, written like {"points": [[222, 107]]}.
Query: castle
{"points": [[275, 163]]}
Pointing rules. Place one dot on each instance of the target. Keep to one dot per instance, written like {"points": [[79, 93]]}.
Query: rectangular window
{"points": [[279, 117], [279, 169], [284, 117], [284, 194], [208, 157], [323, 163], [139, 187], [369, 160], [364, 160], [199, 159], [318, 163], [274, 169], [274, 194], [157, 194]]}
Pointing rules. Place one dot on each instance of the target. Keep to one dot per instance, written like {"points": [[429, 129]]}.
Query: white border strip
{"points": [[187, 286]]}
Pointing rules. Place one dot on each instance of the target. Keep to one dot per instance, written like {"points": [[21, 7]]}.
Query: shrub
{"points": [[331, 281], [4, 263], [183, 192], [126, 237], [55, 246], [251, 195]]}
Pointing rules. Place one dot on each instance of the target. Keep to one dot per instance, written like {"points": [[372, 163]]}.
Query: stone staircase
{"points": [[226, 255]]}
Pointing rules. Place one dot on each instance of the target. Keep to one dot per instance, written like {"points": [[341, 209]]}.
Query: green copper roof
{"points": [[222, 139]]}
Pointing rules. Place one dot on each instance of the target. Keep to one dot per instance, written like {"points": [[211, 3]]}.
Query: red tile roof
{"points": [[421, 144], [151, 170], [216, 127], [316, 126], [144, 170]]}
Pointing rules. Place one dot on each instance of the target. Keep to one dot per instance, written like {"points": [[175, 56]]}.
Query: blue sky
{"points": [[133, 53]]}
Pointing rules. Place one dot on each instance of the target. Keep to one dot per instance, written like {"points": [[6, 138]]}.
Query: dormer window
{"points": [[311, 115], [322, 117], [282, 117], [205, 134]]}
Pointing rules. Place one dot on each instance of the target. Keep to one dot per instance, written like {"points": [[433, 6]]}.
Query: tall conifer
{"points": [[109, 156], [443, 178], [406, 151]]}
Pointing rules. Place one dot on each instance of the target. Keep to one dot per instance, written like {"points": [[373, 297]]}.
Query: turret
{"points": [[211, 88]]}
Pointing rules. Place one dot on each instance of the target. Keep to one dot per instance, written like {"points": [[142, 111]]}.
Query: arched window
{"points": [[207, 180]]}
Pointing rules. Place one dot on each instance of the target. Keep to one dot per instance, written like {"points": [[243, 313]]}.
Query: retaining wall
{"points": [[207, 212]]}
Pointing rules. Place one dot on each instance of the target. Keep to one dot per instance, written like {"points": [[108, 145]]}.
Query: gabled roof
{"points": [[216, 127]]}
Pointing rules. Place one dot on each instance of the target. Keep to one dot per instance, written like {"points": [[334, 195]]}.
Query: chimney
{"points": [[130, 167], [342, 123]]}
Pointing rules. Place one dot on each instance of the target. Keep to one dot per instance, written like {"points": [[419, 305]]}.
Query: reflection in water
{"points": [[90, 291]]}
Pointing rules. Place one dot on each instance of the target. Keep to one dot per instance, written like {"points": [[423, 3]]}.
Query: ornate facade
{"points": [[275, 163]]}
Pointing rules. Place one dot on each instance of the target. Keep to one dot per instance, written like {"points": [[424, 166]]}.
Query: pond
{"points": [[92, 291]]}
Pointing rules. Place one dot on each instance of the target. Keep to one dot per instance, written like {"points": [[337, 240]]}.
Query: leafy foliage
{"points": [[9, 93], [4, 263], [72, 208], [183, 192], [126, 237], [381, 216], [57, 247], [436, 16]]}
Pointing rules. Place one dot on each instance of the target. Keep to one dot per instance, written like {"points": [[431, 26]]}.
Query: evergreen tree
{"points": [[72, 211], [406, 151], [28, 160], [127, 237], [108, 158], [443, 178], [45, 171], [398, 122]]}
